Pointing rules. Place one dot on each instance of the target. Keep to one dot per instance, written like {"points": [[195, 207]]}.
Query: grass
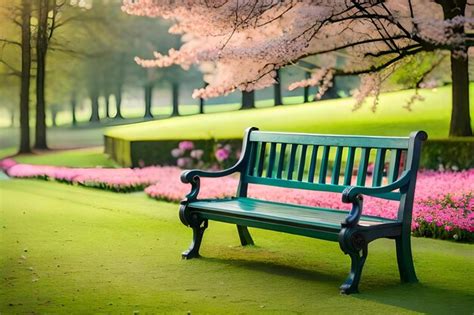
{"points": [[331, 116], [66, 249]]}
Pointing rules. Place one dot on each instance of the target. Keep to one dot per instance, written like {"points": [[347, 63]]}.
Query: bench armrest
{"points": [[353, 194], [193, 177]]}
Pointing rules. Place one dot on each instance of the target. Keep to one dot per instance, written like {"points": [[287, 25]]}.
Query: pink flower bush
{"points": [[222, 154], [186, 145]]}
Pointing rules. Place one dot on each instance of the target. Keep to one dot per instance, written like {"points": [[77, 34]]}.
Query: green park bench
{"points": [[290, 160]]}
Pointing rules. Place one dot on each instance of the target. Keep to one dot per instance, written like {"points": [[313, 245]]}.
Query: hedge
{"points": [[453, 153]]}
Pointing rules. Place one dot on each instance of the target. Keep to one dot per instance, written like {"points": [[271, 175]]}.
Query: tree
{"points": [[256, 38], [19, 14]]}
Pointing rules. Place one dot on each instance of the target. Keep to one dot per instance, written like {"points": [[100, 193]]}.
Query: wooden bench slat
{"points": [[378, 168], [302, 162], [312, 166], [336, 170], [349, 166], [394, 165], [252, 158], [331, 140], [271, 159], [324, 165], [309, 186], [281, 160], [261, 158], [291, 165], [364, 162]]}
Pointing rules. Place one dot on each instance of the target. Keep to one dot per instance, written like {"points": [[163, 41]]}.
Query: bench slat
{"points": [[281, 160], [309, 186], [336, 170], [261, 158], [312, 166], [364, 162], [324, 165], [378, 168], [271, 159], [349, 166], [331, 140], [252, 158], [394, 166], [302, 162], [291, 165]]}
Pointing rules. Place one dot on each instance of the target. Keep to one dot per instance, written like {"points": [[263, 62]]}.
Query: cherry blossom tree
{"points": [[249, 40]]}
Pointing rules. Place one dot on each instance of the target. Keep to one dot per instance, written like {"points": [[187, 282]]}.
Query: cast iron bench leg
{"points": [[351, 285], [198, 232], [404, 259], [244, 235]]}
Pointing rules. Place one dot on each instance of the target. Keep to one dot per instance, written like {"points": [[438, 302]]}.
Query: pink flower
{"points": [[177, 152], [184, 162], [186, 145], [222, 154], [196, 154]]}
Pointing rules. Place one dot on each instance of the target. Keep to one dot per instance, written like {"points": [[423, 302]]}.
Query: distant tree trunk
{"points": [[175, 98], [54, 115], [460, 125], [94, 96], [12, 118], [73, 108], [277, 89], [119, 87], [25, 77], [41, 49], [118, 102], [306, 88], [107, 105], [248, 100], [201, 101], [148, 100], [201, 105]]}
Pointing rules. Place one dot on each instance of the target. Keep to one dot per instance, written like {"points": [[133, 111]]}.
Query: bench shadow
{"points": [[418, 297]]}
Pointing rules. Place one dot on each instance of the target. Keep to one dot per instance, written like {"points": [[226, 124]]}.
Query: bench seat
{"points": [[282, 213]]}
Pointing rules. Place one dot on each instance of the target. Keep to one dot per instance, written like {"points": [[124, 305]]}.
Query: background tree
{"points": [[256, 38]]}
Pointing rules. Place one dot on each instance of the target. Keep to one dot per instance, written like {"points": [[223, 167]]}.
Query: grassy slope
{"points": [[332, 116], [73, 249]]}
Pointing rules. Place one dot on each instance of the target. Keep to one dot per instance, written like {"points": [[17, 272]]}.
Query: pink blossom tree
{"points": [[247, 41]]}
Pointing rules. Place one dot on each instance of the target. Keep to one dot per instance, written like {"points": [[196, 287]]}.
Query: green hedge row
{"points": [[455, 153]]}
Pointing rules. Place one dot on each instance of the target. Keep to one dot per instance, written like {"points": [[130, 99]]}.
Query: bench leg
{"points": [[198, 232], [351, 285], [405, 259], [244, 235], [354, 244]]}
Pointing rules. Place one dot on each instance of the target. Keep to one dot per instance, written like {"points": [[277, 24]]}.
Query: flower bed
{"points": [[116, 179], [444, 203]]}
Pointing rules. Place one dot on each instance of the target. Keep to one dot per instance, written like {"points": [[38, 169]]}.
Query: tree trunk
{"points": [[25, 77], [306, 88], [12, 118], [202, 101], [107, 105], [277, 89], [460, 125], [41, 49], [175, 98], [73, 108], [118, 102], [148, 100], [94, 96], [54, 115], [248, 100]]}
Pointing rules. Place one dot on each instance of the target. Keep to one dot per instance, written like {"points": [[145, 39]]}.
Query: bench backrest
{"points": [[327, 162]]}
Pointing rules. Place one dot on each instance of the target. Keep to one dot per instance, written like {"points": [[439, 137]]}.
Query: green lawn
{"points": [[67, 249], [331, 116]]}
